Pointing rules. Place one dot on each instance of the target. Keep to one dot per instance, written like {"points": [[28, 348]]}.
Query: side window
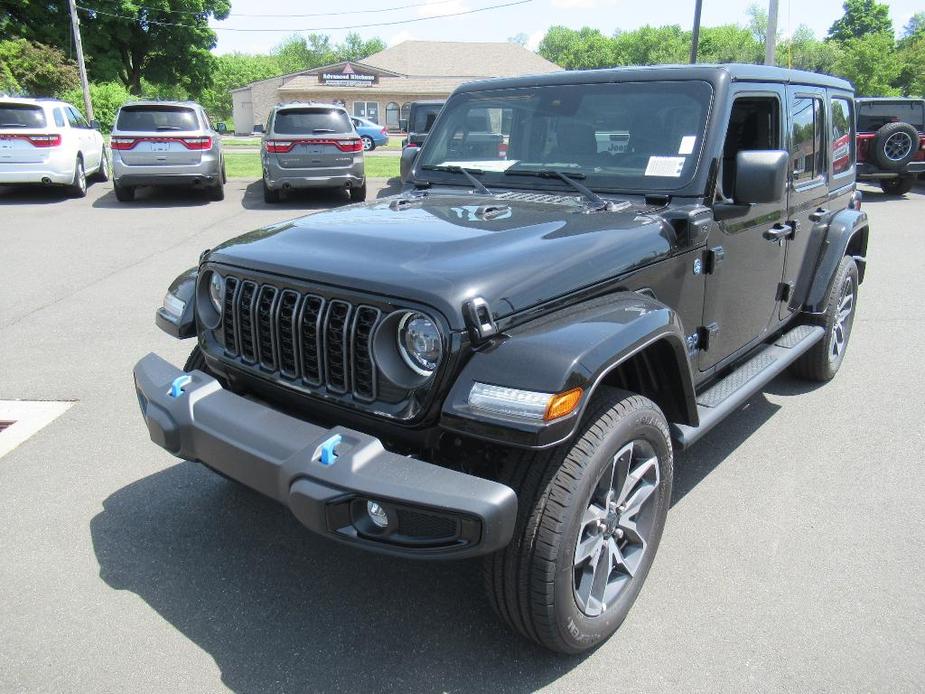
{"points": [[754, 124], [807, 155], [72, 118], [59, 118], [842, 137]]}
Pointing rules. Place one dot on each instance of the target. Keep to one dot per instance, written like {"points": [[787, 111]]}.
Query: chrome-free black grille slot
{"points": [[364, 370], [335, 346], [246, 321], [310, 339], [231, 286], [266, 303], [425, 525], [286, 334]]}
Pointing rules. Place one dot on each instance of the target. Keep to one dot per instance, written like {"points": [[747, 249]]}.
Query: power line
{"points": [[92, 10], [380, 10]]}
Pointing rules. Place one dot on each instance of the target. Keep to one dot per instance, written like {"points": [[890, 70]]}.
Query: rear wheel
{"points": [[78, 186], [358, 194], [823, 360], [269, 195], [102, 173], [217, 190], [123, 193], [590, 518], [897, 186], [368, 144]]}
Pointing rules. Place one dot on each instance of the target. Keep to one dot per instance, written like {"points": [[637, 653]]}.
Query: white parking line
{"points": [[27, 417]]}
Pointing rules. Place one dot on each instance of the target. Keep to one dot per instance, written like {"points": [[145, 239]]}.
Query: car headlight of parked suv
{"points": [[419, 343]]}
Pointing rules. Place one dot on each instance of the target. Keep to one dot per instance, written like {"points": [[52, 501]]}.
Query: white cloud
{"points": [[403, 35], [442, 7], [533, 40]]}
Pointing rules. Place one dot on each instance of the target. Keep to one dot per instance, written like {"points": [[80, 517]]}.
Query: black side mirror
{"points": [[761, 176], [95, 124], [408, 156]]}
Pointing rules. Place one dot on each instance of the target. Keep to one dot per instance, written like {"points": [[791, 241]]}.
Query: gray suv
{"points": [[161, 143], [309, 145]]}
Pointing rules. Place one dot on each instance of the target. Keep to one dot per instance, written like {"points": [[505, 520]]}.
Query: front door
{"points": [[746, 259]]}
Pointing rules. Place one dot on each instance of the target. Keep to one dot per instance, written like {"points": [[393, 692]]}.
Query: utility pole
{"points": [[75, 25], [770, 40], [695, 34]]}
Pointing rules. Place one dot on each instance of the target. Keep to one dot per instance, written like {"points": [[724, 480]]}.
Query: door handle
{"points": [[818, 214], [778, 232]]}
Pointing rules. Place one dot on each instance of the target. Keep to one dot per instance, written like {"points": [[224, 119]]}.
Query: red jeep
{"points": [[891, 142]]}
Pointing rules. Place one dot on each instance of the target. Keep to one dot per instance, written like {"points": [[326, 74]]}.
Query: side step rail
{"points": [[729, 394]]}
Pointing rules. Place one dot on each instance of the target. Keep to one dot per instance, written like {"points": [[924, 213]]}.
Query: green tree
{"points": [[107, 97], [303, 52], [355, 48], [915, 26], [729, 43], [653, 45], [870, 63], [35, 69], [581, 49], [911, 55], [804, 51], [235, 70], [861, 18]]}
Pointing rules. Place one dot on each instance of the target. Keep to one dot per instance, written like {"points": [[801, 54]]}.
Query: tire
{"points": [[78, 186], [358, 194], [897, 186], [894, 145], [195, 361], [123, 193], [217, 191], [102, 173], [270, 196], [823, 360], [368, 144], [534, 584]]}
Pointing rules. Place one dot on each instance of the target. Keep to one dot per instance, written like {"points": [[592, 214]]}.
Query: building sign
{"points": [[347, 77]]}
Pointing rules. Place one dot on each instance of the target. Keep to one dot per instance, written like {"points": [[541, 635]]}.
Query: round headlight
{"points": [[419, 343], [216, 291]]}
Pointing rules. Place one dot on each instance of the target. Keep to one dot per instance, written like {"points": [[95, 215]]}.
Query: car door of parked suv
{"points": [[746, 255]]}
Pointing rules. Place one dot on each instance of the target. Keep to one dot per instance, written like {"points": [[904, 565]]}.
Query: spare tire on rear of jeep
{"points": [[894, 145]]}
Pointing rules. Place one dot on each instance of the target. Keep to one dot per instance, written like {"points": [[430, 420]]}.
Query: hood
{"points": [[442, 250]]}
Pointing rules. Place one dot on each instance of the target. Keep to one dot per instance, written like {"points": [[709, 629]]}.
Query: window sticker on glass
{"points": [[665, 166], [687, 144]]}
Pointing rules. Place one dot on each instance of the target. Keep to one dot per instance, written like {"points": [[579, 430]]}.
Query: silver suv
{"points": [[309, 145], [161, 143]]}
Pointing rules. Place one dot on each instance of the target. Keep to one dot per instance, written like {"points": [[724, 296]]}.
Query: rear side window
{"points": [[842, 139], [156, 119], [59, 118], [807, 156], [874, 115], [424, 119], [307, 121], [21, 116]]}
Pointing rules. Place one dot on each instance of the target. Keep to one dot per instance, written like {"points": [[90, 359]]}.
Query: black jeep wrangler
{"points": [[503, 359]]}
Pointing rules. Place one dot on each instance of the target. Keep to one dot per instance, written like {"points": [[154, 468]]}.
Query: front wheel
{"points": [[897, 186], [590, 518], [368, 144], [102, 173], [78, 186]]}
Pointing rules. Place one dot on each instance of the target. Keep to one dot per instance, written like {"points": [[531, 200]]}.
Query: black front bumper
{"points": [[433, 512]]}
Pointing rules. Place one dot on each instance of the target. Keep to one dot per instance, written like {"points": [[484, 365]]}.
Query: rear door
{"points": [[24, 133], [313, 137], [87, 136], [808, 191], [159, 135]]}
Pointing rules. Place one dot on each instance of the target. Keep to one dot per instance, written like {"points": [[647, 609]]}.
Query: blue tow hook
{"points": [[328, 454], [179, 383]]}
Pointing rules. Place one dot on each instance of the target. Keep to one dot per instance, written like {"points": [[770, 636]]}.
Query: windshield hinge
{"points": [[479, 320]]}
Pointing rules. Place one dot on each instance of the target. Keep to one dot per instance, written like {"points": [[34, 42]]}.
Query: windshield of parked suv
{"points": [[424, 117], [620, 136], [21, 116], [305, 121], [156, 118], [873, 115]]}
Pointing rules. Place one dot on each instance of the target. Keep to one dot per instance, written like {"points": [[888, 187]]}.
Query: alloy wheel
{"points": [[844, 318], [615, 527], [897, 146]]}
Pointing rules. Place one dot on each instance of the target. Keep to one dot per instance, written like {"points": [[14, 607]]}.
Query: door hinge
{"points": [[707, 334], [714, 257], [784, 290]]}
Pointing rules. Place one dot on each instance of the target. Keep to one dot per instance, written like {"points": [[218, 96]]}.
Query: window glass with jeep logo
{"points": [[631, 135]]}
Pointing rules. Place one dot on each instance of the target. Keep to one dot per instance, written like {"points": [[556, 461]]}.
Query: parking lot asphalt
{"points": [[792, 559]]}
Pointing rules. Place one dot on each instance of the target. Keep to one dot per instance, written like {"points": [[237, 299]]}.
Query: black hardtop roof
{"points": [[871, 99], [737, 72], [428, 102]]}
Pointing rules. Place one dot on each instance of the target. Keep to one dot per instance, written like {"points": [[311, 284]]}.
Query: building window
{"points": [[391, 116], [367, 109]]}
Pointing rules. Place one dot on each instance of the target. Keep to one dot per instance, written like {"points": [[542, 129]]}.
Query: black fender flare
{"points": [[578, 346], [184, 288], [846, 235]]}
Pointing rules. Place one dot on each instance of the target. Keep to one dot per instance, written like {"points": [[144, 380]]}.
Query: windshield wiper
{"points": [[468, 173], [597, 200]]}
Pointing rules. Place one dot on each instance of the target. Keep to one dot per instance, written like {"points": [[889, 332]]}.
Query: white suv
{"points": [[48, 141]]}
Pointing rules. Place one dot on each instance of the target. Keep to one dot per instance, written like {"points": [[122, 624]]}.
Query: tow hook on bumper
{"points": [[338, 482]]}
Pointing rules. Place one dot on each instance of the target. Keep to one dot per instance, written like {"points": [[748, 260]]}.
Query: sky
{"points": [[532, 18]]}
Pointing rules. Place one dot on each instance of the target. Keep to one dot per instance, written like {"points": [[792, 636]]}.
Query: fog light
{"points": [[377, 514]]}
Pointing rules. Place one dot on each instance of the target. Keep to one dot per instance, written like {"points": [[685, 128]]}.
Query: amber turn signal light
{"points": [[562, 404]]}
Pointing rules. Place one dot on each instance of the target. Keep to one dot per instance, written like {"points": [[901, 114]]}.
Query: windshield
{"points": [[21, 116], [156, 118], [424, 117], [305, 121], [873, 115], [623, 136]]}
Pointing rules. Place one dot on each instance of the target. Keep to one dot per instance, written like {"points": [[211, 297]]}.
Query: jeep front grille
{"points": [[301, 337]]}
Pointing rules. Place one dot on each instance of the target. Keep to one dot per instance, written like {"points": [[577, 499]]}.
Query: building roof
{"points": [[460, 59]]}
